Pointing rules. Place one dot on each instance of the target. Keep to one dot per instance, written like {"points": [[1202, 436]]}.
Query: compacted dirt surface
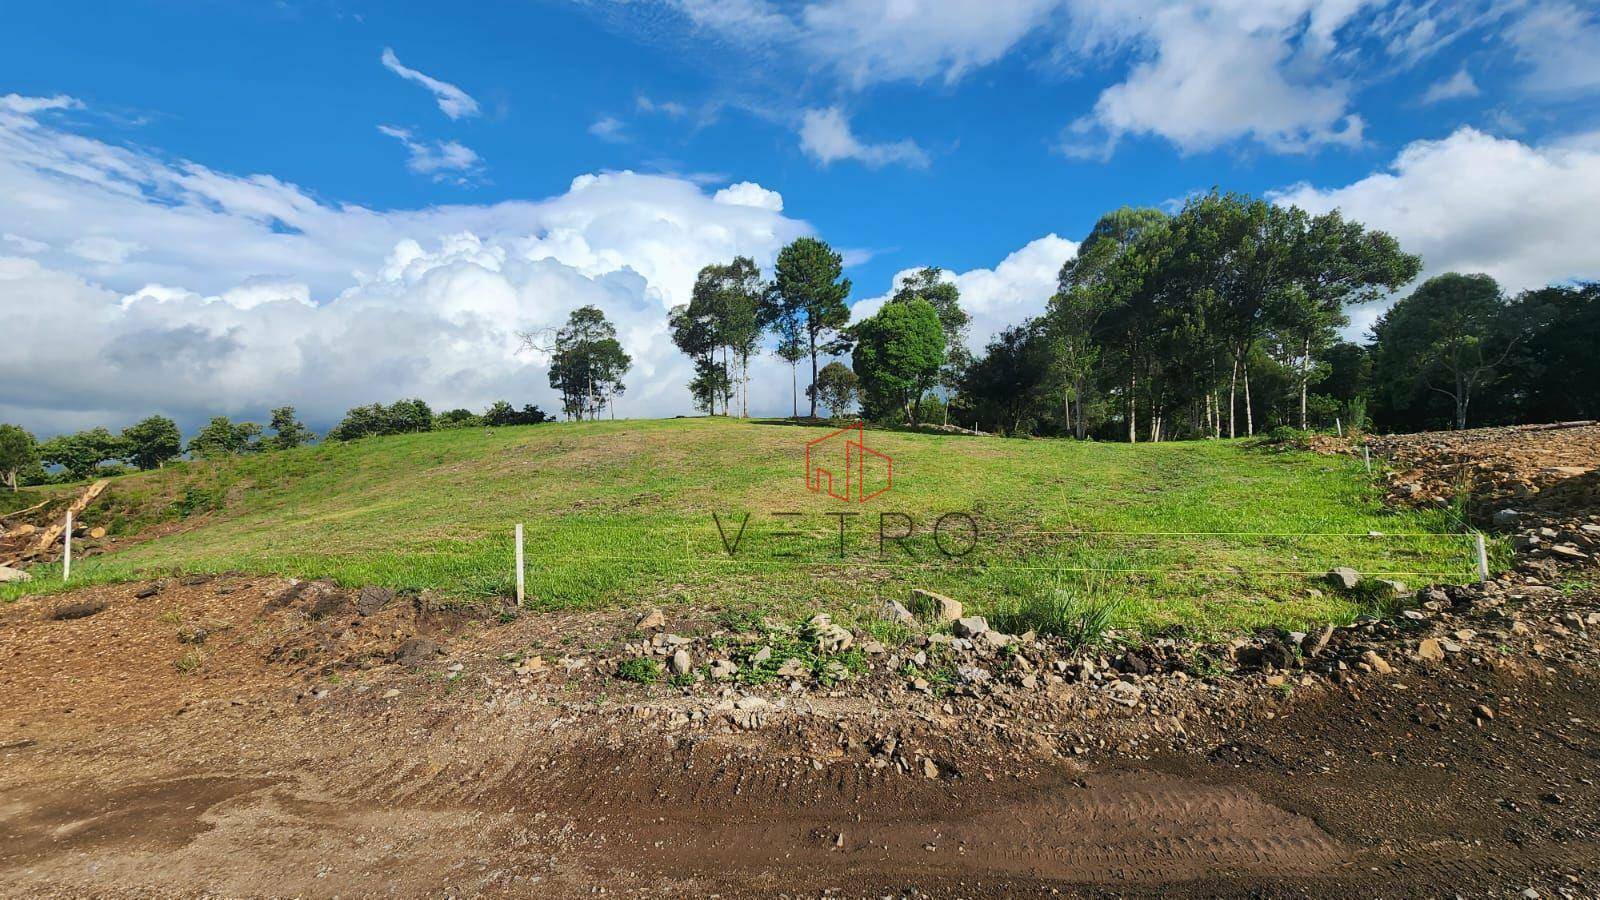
{"points": [[246, 736]]}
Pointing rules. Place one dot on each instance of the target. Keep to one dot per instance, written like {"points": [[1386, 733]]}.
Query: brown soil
{"points": [[260, 773]]}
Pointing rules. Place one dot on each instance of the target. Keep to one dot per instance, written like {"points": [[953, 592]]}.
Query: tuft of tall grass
{"points": [[1080, 609]]}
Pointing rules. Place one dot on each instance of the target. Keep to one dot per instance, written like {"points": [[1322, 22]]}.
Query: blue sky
{"points": [[195, 176]]}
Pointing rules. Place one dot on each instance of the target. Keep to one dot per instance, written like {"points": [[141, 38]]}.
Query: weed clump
{"points": [[1080, 614], [640, 669]]}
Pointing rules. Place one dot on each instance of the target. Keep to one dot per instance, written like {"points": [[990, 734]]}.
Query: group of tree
{"points": [[1167, 326], [148, 444], [732, 308], [913, 345], [1225, 318], [1219, 320], [1459, 352], [156, 441], [414, 416]]}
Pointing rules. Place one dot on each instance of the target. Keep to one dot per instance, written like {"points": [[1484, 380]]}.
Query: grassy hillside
{"points": [[1209, 535]]}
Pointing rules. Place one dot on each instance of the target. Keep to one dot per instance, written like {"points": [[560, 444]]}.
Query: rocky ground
{"points": [[250, 736]]}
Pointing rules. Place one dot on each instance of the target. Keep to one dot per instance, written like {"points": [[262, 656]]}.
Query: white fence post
{"points": [[1483, 557], [1366, 455], [519, 565], [66, 549], [1338, 426]]}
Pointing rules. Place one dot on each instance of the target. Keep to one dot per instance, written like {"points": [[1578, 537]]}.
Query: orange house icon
{"points": [[863, 468]]}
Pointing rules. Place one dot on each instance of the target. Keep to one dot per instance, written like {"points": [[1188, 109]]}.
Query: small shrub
{"points": [[189, 662], [640, 669]]}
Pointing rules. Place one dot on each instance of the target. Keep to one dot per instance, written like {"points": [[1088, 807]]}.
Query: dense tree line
{"points": [[156, 441], [1220, 320]]}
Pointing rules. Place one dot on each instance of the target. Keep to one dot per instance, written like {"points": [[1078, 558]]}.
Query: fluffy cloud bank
{"points": [[1016, 289], [133, 285], [1472, 202]]}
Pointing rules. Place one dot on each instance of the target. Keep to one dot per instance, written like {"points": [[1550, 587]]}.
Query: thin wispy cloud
{"points": [[1455, 87], [609, 128], [453, 101], [439, 160]]}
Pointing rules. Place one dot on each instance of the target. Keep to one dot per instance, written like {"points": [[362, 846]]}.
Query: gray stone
{"points": [[723, 669], [8, 574], [1344, 578], [1377, 663], [761, 656], [1319, 642], [681, 663], [1125, 693], [79, 609], [417, 652], [1507, 518], [371, 599], [833, 638], [895, 611], [993, 640], [970, 626], [652, 620], [935, 608]]}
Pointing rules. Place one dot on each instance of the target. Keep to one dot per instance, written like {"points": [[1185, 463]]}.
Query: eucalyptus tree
{"points": [[808, 285], [1082, 296]]}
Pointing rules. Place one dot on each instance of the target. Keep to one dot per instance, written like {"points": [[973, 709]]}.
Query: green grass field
{"points": [[1213, 536]]}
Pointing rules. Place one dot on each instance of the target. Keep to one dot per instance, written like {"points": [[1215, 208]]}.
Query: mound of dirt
{"points": [[1553, 470], [116, 653]]}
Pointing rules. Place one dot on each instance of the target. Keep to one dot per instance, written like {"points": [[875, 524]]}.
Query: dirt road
{"points": [[123, 774]]}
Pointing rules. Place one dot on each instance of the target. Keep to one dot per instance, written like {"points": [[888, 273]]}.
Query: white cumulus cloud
{"points": [[247, 292], [1018, 288], [1473, 202], [826, 136], [748, 193]]}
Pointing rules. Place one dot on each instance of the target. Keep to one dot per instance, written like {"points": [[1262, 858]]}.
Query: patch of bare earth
{"points": [[324, 742]]}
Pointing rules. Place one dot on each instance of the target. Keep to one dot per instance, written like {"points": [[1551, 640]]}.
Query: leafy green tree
{"points": [[929, 284], [1338, 263], [465, 418], [1446, 338], [809, 287], [897, 357], [1346, 381], [837, 388], [1553, 374], [500, 413], [82, 454], [288, 432], [588, 363], [18, 453], [224, 437], [1237, 256], [152, 442], [1004, 384], [1083, 294], [739, 312]]}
